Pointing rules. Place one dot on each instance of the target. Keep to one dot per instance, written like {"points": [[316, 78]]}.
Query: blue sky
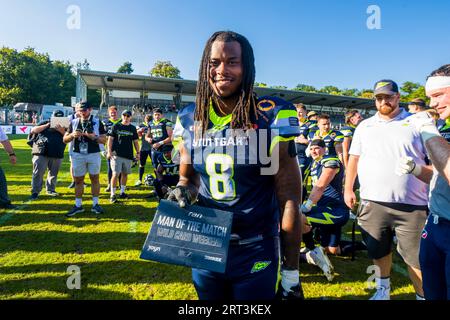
{"points": [[312, 42]]}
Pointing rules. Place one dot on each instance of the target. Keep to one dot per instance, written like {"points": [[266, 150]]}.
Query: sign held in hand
{"points": [[194, 236]]}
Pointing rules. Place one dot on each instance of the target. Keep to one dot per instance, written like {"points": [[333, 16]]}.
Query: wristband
{"points": [[12, 154]]}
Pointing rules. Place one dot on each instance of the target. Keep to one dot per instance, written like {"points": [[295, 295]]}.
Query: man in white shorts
{"points": [[86, 133]]}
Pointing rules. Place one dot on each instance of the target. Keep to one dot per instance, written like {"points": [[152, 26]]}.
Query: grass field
{"points": [[38, 244]]}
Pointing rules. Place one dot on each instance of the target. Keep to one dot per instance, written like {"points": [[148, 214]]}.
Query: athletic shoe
{"points": [[74, 211], [123, 196], [138, 183], [53, 194], [319, 258], [382, 293], [97, 209], [108, 188], [34, 196], [71, 185], [113, 199], [304, 250]]}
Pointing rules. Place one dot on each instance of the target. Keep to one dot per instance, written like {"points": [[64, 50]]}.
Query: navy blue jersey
{"points": [[234, 165], [304, 129], [170, 168], [331, 139], [332, 195], [158, 129], [108, 124], [348, 131], [444, 130]]}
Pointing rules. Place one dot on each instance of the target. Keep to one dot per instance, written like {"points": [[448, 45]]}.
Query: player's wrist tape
{"points": [[417, 170]]}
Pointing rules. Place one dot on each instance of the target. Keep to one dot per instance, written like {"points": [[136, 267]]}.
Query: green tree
{"points": [[350, 92], [305, 88], [260, 84], [165, 69], [412, 90], [29, 76], [330, 90], [366, 94], [126, 67], [279, 87]]}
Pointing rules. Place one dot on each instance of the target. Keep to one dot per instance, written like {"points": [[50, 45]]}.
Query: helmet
{"points": [[148, 180]]}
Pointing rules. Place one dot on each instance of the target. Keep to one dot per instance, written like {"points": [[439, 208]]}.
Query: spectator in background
{"points": [[301, 144], [352, 119], [417, 105], [121, 139], [108, 124], [146, 148], [389, 202], [159, 135], [48, 152], [332, 138], [86, 133], [5, 203]]}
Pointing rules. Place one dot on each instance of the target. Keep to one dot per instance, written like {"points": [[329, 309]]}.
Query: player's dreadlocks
{"points": [[246, 104]]}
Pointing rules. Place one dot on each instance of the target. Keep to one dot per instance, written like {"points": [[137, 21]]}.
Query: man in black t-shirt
{"points": [[146, 148], [86, 133], [48, 152], [121, 139]]}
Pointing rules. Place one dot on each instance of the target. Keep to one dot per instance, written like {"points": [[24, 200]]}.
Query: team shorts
{"points": [[86, 163], [251, 273], [121, 165], [378, 223]]}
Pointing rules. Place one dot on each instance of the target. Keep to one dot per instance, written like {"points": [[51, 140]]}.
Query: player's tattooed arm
{"points": [[288, 186]]}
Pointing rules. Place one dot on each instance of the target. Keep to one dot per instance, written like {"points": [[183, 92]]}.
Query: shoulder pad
{"points": [[331, 162]]}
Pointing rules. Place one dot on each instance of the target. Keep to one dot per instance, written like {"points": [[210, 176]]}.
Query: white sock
{"points": [[418, 297], [94, 201], [78, 202], [383, 282], [122, 189], [113, 191]]}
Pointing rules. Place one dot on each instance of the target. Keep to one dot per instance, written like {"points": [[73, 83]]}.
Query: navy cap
{"points": [[127, 113], [318, 142], [385, 87], [58, 113], [84, 105]]}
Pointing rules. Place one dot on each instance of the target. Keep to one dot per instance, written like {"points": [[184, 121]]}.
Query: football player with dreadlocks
{"points": [[222, 166]]}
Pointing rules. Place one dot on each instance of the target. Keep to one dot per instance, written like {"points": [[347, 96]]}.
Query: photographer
{"points": [[48, 151], [86, 133], [5, 203]]}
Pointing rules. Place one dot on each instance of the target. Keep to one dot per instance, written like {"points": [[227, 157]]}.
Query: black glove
{"points": [[182, 195]]}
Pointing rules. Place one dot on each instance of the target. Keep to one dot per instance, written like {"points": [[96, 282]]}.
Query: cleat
{"points": [[34, 196], [53, 194], [319, 258], [108, 188], [74, 211], [382, 293], [138, 183], [113, 199], [123, 196], [97, 209]]}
